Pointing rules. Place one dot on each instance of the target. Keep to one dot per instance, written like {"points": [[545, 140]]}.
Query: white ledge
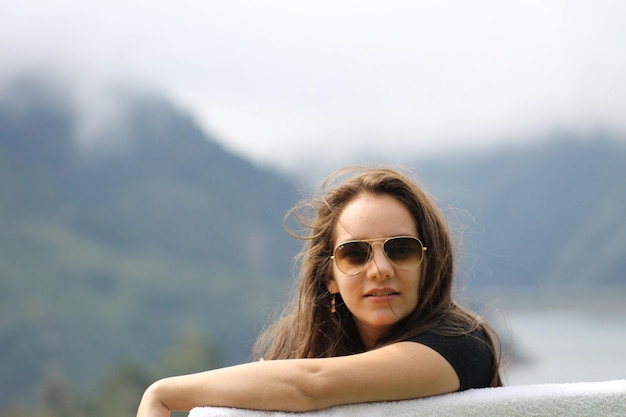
{"points": [[592, 399]]}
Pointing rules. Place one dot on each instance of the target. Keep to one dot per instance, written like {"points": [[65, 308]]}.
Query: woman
{"points": [[374, 319]]}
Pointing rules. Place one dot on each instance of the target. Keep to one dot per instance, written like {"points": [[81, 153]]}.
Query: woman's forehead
{"points": [[374, 216]]}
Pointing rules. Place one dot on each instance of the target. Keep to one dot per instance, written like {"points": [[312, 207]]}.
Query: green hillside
{"points": [[109, 254], [538, 216]]}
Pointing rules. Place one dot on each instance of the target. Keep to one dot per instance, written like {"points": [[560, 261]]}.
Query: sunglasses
{"points": [[405, 252]]}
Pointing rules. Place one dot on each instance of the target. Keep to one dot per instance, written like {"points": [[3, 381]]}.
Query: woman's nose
{"points": [[380, 267]]}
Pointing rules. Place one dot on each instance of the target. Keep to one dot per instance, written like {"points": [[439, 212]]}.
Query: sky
{"points": [[294, 83]]}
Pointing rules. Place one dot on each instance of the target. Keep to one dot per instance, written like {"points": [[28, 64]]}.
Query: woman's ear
{"points": [[332, 286]]}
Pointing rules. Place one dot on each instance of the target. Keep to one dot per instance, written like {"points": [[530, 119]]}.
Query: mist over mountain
{"points": [[116, 235]]}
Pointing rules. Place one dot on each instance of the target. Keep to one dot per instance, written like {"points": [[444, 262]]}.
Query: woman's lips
{"points": [[381, 295]]}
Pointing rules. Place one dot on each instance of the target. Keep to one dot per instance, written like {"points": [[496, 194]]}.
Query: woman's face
{"points": [[381, 294]]}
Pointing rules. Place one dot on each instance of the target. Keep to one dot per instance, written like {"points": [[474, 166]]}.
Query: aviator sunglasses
{"points": [[405, 252]]}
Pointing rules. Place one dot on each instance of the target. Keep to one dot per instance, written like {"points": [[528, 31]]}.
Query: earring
{"points": [[333, 308]]}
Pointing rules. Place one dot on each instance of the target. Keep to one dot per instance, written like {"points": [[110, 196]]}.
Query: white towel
{"points": [[593, 399]]}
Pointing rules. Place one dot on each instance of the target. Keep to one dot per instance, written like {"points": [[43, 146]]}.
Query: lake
{"points": [[579, 337]]}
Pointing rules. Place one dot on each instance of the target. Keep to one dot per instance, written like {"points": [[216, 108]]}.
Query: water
{"points": [[581, 339]]}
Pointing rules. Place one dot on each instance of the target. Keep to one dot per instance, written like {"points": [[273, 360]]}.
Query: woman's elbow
{"points": [[313, 392]]}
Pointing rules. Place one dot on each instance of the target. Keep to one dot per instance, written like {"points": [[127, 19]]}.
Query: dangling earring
{"points": [[333, 308]]}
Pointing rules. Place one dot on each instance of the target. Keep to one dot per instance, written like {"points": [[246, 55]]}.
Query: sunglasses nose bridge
{"points": [[377, 242], [382, 248]]}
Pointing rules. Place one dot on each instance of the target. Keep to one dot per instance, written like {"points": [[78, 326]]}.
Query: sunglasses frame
{"points": [[382, 242]]}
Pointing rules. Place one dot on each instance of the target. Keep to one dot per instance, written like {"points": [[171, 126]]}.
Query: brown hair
{"points": [[307, 329]]}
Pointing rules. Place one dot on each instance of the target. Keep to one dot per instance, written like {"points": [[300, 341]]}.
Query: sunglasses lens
{"points": [[352, 256], [405, 252]]}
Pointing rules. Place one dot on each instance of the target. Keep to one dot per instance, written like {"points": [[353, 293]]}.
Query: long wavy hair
{"points": [[308, 329]]}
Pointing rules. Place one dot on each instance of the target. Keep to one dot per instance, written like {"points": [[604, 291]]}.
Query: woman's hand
{"points": [[151, 406]]}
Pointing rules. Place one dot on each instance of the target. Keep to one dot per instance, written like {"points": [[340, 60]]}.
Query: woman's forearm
{"points": [[270, 385], [395, 372]]}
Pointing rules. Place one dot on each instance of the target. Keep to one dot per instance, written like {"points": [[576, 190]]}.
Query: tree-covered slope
{"points": [[109, 250], [538, 215]]}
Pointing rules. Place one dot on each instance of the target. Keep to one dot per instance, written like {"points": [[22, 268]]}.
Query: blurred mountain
{"points": [[109, 248], [117, 236], [541, 215]]}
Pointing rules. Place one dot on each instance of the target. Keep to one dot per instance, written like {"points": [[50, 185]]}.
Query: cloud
{"points": [[284, 81]]}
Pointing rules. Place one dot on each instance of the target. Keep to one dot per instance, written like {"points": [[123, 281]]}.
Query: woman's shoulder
{"points": [[470, 354]]}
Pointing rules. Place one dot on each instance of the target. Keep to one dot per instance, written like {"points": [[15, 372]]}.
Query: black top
{"points": [[470, 356]]}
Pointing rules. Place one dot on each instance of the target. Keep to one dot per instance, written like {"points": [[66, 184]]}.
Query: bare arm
{"points": [[400, 371]]}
